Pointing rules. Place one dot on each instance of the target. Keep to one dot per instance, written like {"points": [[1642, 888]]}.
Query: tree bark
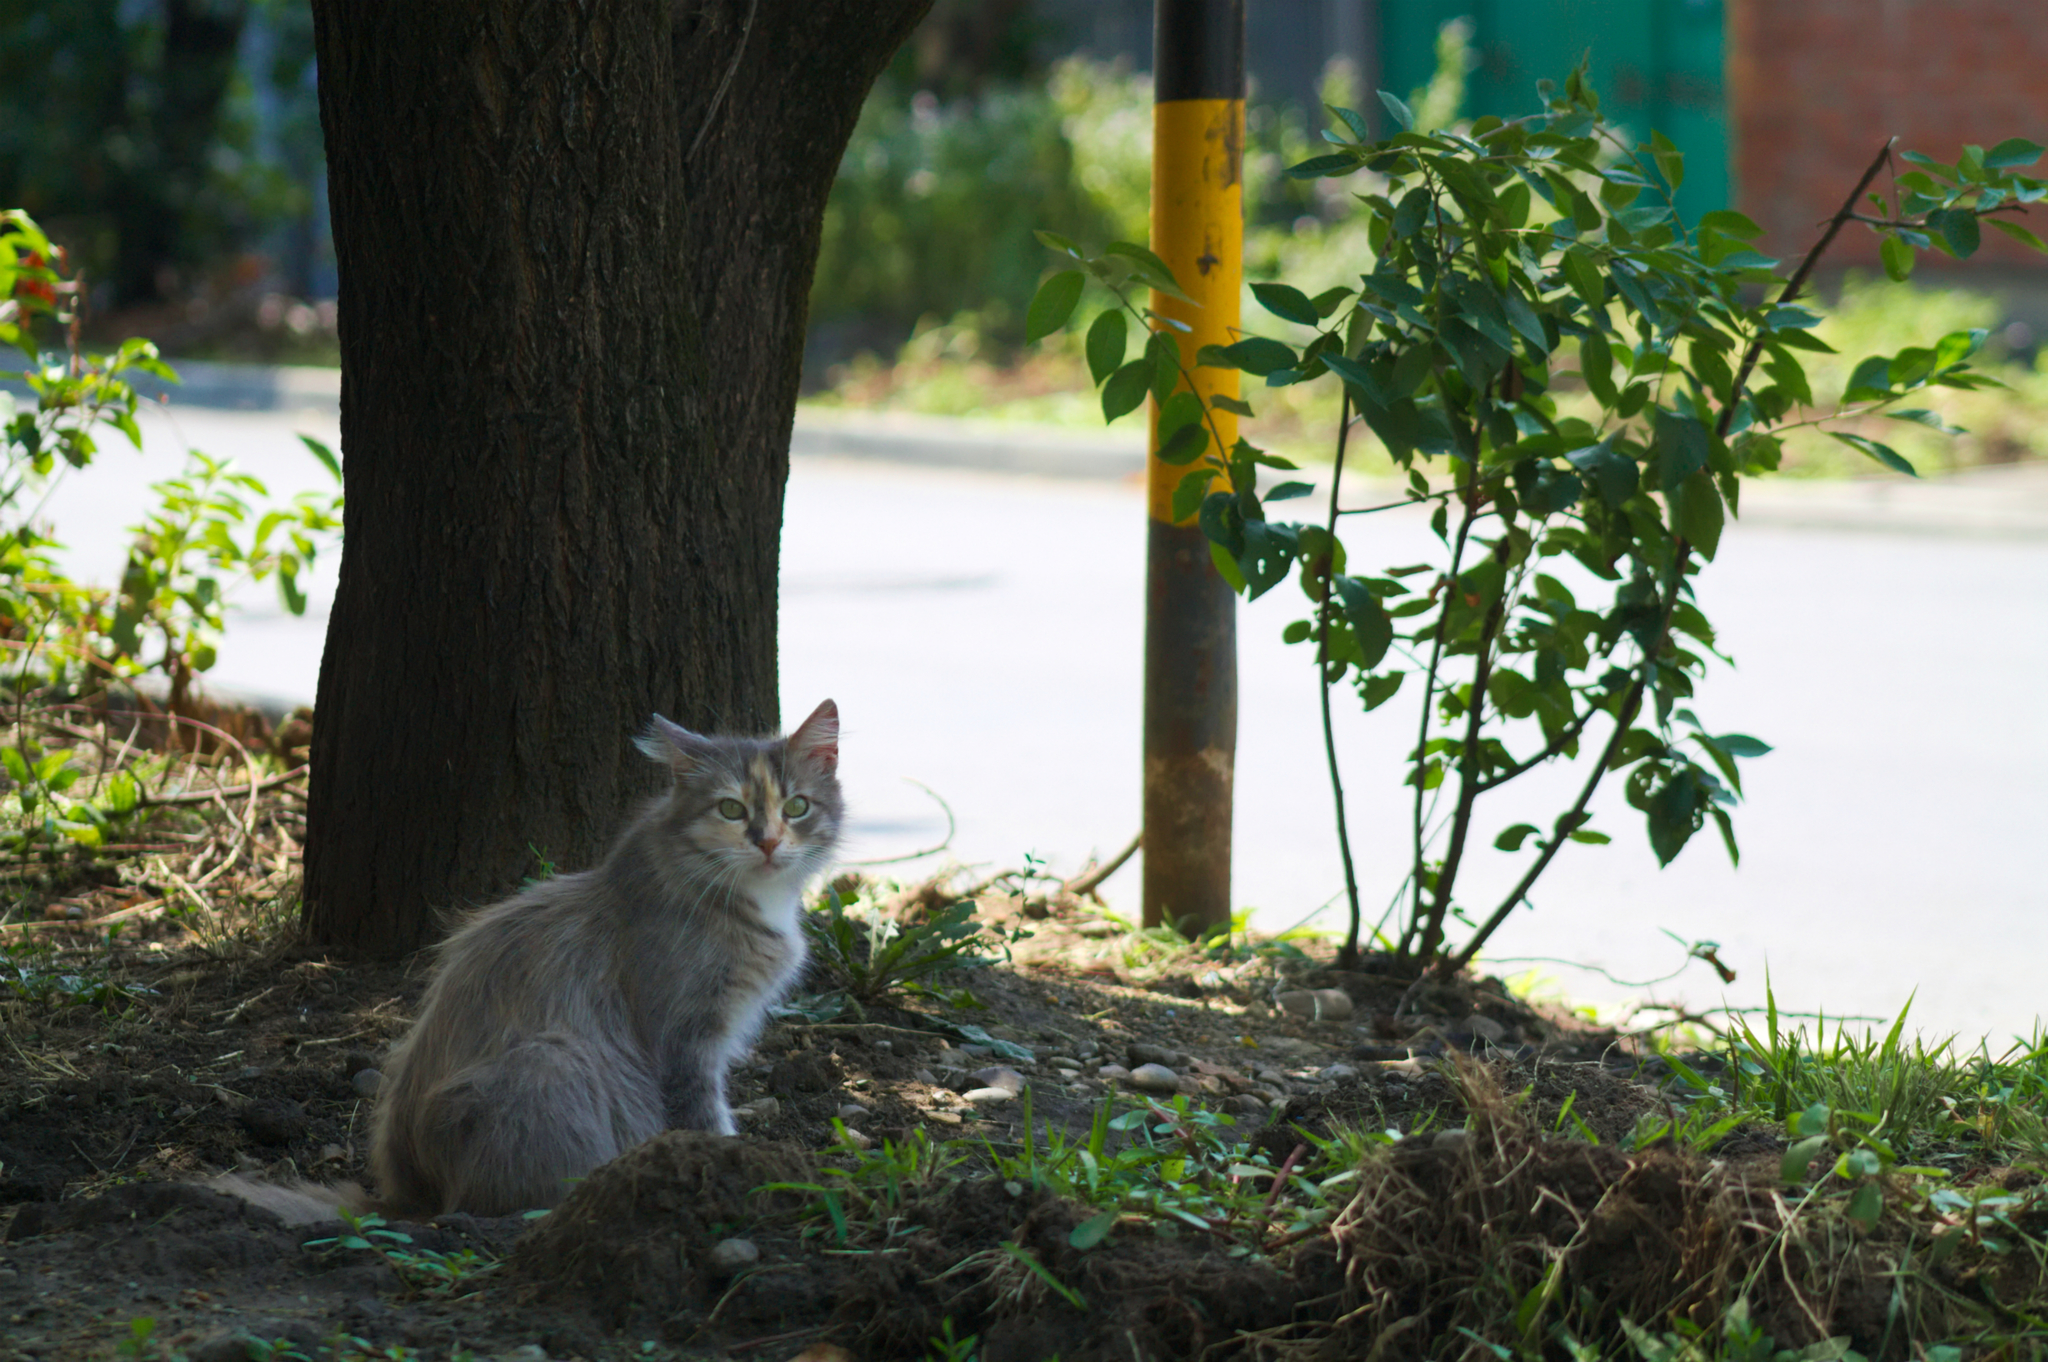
{"points": [[570, 355]]}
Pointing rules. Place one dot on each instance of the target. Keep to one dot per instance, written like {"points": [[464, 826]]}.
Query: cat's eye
{"points": [[733, 809], [796, 806]]}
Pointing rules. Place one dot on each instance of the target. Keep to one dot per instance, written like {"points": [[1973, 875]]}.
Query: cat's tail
{"points": [[298, 1202]]}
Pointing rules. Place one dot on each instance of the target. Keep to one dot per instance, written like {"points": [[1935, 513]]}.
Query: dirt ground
{"points": [[184, 1060]]}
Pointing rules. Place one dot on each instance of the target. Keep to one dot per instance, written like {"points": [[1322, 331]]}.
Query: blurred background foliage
{"points": [[174, 147]]}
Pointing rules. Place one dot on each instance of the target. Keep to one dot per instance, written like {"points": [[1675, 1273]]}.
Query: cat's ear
{"points": [[670, 744], [816, 739]]}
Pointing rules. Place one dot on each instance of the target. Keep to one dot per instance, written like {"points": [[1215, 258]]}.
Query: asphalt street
{"points": [[981, 633]]}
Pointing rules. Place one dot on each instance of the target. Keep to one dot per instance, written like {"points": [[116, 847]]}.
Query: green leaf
{"points": [[1329, 300], [17, 766], [2013, 152], [1254, 355], [1866, 1205], [1148, 267], [1233, 405], [1316, 167], [1871, 380], [1287, 303], [1058, 243], [1898, 259], [1297, 632], [1107, 339], [1512, 838], [1932, 420], [1670, 161], [1165, 359], [1184, 446], [1188, 493], [1125, 391], [1958, 229], [1697, 513], [1884, 454], [1582, 272], [1358, 377], [1092, 1231], [1614, 474], [2018, 233], [1401, 112], [1052, 305], [1288, 491], [1682, 445], [1377, 690], [1731, 223], [1596, 366], [1589, 837], [1368, 620], [1226, 567]]}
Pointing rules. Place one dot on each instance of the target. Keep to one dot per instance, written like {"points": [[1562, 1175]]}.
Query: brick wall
{"points": [[1815, 86]]}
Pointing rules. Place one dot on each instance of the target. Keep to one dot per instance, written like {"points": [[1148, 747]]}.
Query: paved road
{"points": [[981, 634]]}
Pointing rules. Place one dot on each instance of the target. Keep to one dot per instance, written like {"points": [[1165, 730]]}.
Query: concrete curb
{"points": [[2006, 503]]}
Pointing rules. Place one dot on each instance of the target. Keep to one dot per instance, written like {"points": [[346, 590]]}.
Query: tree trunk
{"points": [[570, 355]]}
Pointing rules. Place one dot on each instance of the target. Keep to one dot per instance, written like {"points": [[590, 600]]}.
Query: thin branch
{"points": [[1632, 703], [1451, 491], [209, 796], [1088, 881], [943, 842], [1468, 774], [1564, 739], [1559, 836], [1436, 650], [1799, 278], [1348, 956], [1912, 226]]}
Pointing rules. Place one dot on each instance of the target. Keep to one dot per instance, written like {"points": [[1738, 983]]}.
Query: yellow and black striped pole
{"points": [[1190, 611]]}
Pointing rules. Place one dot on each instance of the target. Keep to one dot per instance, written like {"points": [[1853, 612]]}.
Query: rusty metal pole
{"points": [[1190, 611]]}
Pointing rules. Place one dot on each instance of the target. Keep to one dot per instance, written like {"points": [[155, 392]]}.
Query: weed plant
{"points": [[1501, 253]]}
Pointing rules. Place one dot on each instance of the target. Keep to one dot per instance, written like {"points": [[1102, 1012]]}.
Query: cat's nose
{"points": [[768, 845]]}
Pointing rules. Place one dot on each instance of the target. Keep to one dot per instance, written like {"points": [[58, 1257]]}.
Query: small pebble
{"points": [[760, 1109], [1475, 1026], [925, 1076], [1266, 1073], [1337, 1073], [1000, 1076], [945, 1118], [1113, 1072], [1450, 1139], [1249, 1104], [366, 1082], [730, 1255], [1064, 1062], [859, 1139], [885, 1046], [1141, 1054], [988, 1097], [525, 1352], [852, 1111], [1155, 1078], [1317, 1004]]}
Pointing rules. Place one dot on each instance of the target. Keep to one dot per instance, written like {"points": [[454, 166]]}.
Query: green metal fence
{"points": [[1656, 63]]}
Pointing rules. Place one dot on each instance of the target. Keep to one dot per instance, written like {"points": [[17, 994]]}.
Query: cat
{"points": [[592, 1011]]}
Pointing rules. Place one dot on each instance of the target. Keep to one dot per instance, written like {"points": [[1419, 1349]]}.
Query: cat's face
{"points": [[755, 808]]}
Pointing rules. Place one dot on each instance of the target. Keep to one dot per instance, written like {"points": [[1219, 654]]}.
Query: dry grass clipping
{"points": [[1498, 1233]]}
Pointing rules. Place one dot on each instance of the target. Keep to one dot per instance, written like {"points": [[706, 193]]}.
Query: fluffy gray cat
{"points": [[592, 1011]]}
